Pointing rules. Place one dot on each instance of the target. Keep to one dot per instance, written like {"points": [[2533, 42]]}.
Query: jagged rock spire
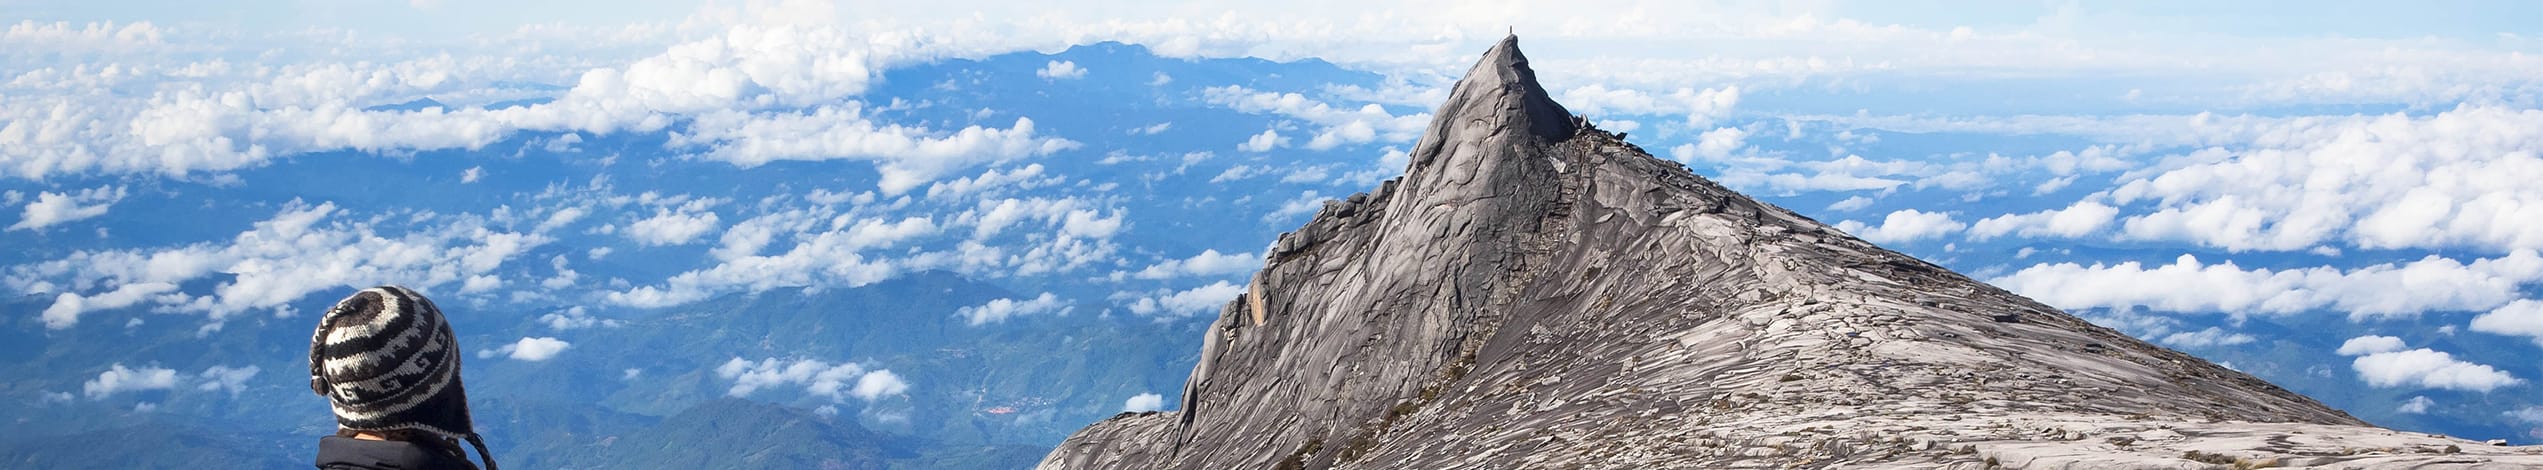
{"points": [[1533, 294]]}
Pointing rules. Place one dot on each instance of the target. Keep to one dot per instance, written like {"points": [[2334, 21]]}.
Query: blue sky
{"points": [[2338, 196]]}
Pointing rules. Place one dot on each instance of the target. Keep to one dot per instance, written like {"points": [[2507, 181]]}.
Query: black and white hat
{"points": [[386, 359]]}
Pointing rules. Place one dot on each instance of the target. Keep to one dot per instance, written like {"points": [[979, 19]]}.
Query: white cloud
{"points": [[51, 208], [1152, 129], [993, 182], [1144, 402], [2530, 414], [2207, 338], [1188, 302], [1851, 204], [2523, 317], [1336, 126], [673, 227], [879, 384], [533, 349], [1001, 309], [472, 174], [2416, 405], [828, 258], [2425, 368], [1263, 142], [818, 378], [2371, 344], [1904, 226], [1701, 107], [575, 318], [279, 260], [2187, 285], [227, 379], [118, 379], [2457, 179], [1714, 144], [1207, 263], [1307, 202], [1060, 69], [906, 156], [2083, 218]]}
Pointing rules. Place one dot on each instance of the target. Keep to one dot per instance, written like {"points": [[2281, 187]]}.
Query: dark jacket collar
{"points": [[338, 452]]}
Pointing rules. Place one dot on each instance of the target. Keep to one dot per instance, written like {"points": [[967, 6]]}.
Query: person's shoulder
{"points": [[345, 453]]}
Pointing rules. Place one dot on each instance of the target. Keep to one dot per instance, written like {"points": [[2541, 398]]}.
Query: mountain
{"points": [[1538, 293]]}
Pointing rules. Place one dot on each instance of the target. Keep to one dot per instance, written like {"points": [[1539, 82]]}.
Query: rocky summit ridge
{"points": [[1538, 293]]}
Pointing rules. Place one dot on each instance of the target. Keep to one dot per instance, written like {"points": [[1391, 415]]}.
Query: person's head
{"points": [[386, 360]]}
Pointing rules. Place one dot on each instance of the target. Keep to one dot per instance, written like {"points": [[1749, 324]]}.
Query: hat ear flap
{"points": [[318, 342]]}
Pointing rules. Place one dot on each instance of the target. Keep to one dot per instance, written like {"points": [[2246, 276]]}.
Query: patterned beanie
{"points": [[387, 361]]}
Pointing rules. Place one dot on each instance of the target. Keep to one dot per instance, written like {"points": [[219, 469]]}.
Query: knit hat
{"points": [[386, 360]]}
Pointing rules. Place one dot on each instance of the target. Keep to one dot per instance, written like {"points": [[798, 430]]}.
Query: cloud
{"points": [[2186, 285], [826, 258], [575, 318], [1152, 129], [2383, 364], [673, 227], [1701, 107], [1263, 142], [1144, 402], [2523, 317], [472, 174], [1712, 145], [118, 379], [1060, 69], [1904, 226], [992, 182], [837, 382], [2207, 338], [1207, 263], [878, 384], [1336, 126], [228, 379], [298, 252], [1307, 202], [906, 156], [2530, 414], [2456, 179], [533, 349], [51, 208], [1188, 302], [1001, 309], [2371, 344], [2083, 218], [2416, 405], [1851, 204]]}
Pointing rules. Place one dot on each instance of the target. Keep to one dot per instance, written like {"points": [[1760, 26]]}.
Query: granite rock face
{"points": [[1537, 293]]}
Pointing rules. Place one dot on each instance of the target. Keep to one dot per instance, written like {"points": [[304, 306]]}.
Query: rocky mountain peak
{"points": [[1535, 293]]}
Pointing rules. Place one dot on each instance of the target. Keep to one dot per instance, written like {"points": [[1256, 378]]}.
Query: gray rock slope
{"points": [[1537, 293]]}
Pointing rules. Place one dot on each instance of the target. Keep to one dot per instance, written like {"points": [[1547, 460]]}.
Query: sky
{"points": [[2339, 194]]}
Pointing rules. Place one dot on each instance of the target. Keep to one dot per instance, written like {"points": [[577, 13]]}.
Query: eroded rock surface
{"points": [[1536, 293]]}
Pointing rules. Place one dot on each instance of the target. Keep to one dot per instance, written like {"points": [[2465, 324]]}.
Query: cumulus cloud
{"points": [[2207, 338], [992, 182], [1144, 402], [2083, 218], [2416, 405], [1307, 202], [1701, 107], [1207, 263], [2523, 317], [906, 156], [1264, 142], [2383, 363], [837, 382], [2456, 179], [226, 379], [827, 258], [2187, 285], [533, 349], [119, 379], [1904, 226], [298, 252], [1851, 204], [1060, 70], [1336, 126], [575, 318], [1188, 302], [1001, 309], [674, 226], [51, 208]]}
